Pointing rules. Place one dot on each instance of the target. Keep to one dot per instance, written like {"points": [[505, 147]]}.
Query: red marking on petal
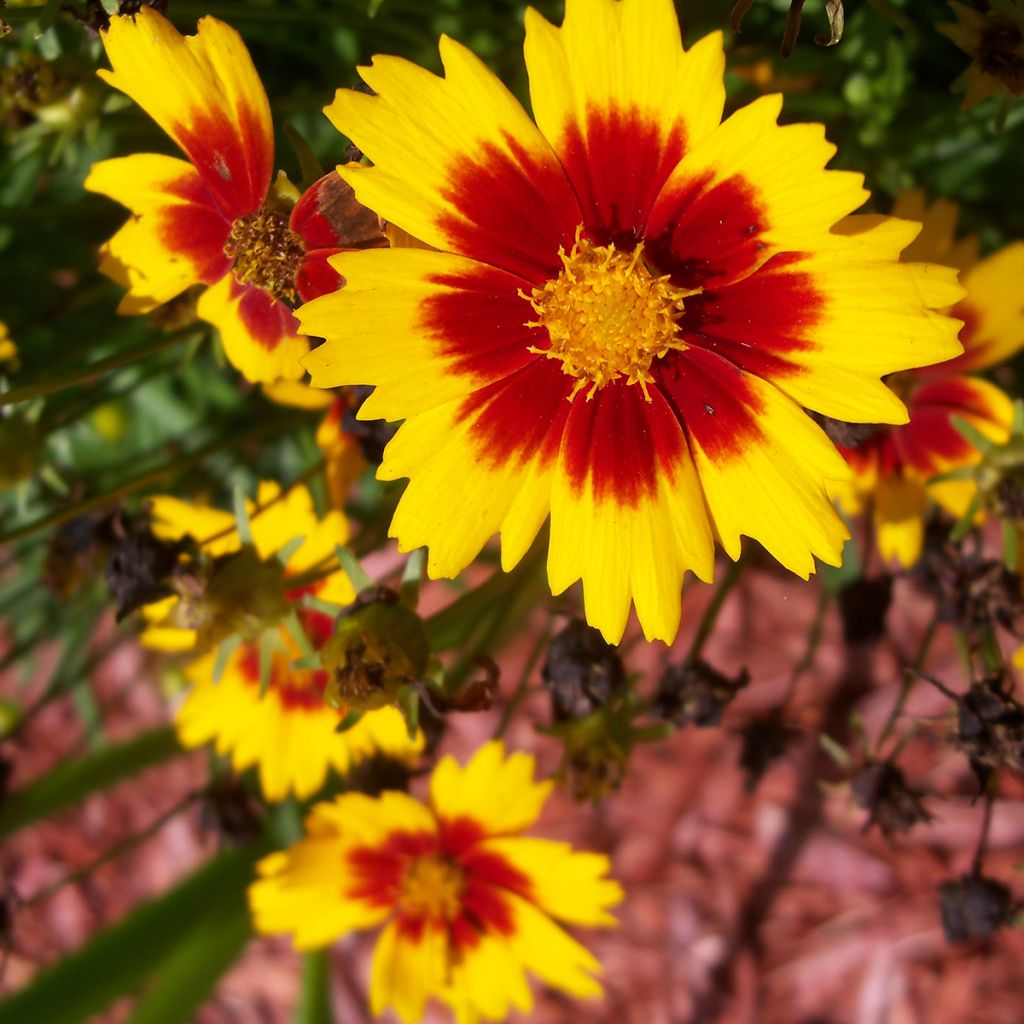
{"points": [[617, 165], [702, 233], [457, 835], [621, 442], [484, 909], [929, 442], [196, 229], [267, 319], [482, 323], [511, 210], [235, 158], [378, 870], [327, 216], [523, 416], [298, 689], [759, 319], [712, 400], [316, 276]]}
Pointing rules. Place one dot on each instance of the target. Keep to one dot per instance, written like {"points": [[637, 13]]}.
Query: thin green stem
{"points": [[84, 374], [707, 624], [152, 476]]}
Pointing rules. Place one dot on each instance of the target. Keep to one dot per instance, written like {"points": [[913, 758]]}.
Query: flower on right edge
{"points": [[992, 34], [895, 467], [466, 902], [626, 310]]}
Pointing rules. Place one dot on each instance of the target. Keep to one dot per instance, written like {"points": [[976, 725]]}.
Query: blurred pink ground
{"points": [[847, 933]]}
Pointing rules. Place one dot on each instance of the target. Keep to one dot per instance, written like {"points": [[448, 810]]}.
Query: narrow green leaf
{"points": [[117, 960], [189, 974], [69, 783], [966, 521], [310, 168], [315, 998], [971, 434], [352, 718], [353, 570], [242, 518], [1011, 545], [1017, 429], [284, 556], [224, 652], [412, 577]]}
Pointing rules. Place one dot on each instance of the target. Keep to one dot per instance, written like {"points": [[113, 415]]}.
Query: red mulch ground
{"points": [[768, 908]]}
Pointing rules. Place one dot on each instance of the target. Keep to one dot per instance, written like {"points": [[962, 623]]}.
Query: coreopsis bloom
{"points": [[276, 521], [466, 901], [215, 221], [895, 467], [8, 350], [626, 306], [993, 37], [287, 732], [274, 718]]}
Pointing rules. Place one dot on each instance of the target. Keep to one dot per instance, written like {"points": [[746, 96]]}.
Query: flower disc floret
{"points": [[608, 315], [266, 252]]}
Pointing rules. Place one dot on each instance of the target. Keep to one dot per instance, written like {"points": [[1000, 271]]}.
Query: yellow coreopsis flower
{"points": [[213, 220], [895, 467], [284, 729], [8, 350], [466, 901], [625, 310]]}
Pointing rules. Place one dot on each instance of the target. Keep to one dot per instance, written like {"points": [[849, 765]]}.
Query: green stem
{"points": [[84, 374], [152, 476], [707, 623]]}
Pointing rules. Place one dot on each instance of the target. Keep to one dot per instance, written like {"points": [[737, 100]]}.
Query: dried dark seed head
{"points": [[696, 693], [990, 729], [231, 811], [765, 739], [139, 568], [882, 790], [582, 672], [379, 774], [78, 552], [373, 435], [863, 606], [847, 435], [974, 908]]}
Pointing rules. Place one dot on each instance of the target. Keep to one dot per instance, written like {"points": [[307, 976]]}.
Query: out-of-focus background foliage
{"points": [[164, 412]]}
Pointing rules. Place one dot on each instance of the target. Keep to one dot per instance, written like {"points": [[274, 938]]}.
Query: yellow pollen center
{"points": [[432, 887], [267, 253], [607, 315]]}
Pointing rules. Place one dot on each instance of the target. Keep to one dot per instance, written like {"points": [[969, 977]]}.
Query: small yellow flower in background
{"points": [[894, 466], [625, 308], [287, 732], [215, 221], [276, 521], [994, 40], [8, 350], [465, 900]]}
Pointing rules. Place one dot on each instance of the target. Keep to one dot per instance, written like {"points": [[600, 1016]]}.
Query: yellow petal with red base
{"points": [[457, 162], [259, 333], [406, 973], [176, 235], [616, 70], [756, 449], [450, 326], [565, 883], [204, 92], [627, 513], [746, 191], [487, 981]]}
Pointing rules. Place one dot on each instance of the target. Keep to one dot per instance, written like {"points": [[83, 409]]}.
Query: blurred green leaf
{"points": [[315, 998], [185, 979], [72, 781], [116, 961]]}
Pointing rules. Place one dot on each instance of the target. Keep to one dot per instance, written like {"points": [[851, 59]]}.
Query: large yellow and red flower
{"points": [[466, 901], [895, 467], [214, 220], [627, 308]]}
